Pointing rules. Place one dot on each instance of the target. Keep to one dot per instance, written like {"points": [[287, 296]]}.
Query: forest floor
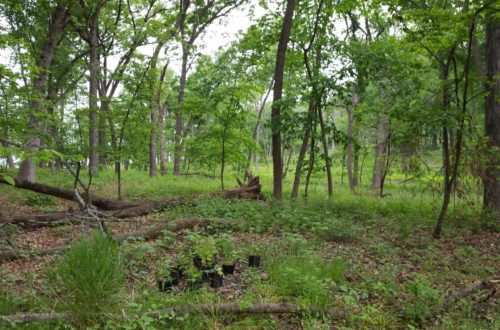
{"points": [[372, 259]]}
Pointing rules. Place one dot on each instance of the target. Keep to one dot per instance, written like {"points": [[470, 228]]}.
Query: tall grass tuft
{"points": [[88, 280]]}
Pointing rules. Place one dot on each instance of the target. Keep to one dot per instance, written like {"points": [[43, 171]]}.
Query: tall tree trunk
{"points": [[93, 78], [445, 67], [44, 62], [179, 112], [255, 133], [491, 180], [351, 173], [154, 105], [163, 148], [311, 158], [287, 163], [324, 141], [278, 93], [380, 147], [303, 150], [102, 135]]}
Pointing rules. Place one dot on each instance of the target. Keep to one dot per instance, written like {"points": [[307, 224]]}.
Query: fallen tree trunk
{"points": [[256, 308], [146, 234], [251, 191], [102, 203]]}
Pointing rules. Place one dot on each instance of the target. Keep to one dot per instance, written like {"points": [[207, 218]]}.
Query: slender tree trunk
{"points": [[44, 62], [351, 173], [324, 141], [380, 147], [287, 164], [223, 163], [303, 150], [311, 159], [163, 148], [93, 78], [255, 133], [103, 114], [179, 112], [277, 97], [491, 179], [446, 150], [154, 104]]}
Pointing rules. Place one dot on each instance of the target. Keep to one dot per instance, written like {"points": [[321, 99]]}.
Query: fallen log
{"points": [[151, 233], [102, 203], [256, 308], [40, 219], [251, 191]]}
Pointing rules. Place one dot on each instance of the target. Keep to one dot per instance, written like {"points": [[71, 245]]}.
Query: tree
{"points": [[58, 22], [277, 97], [491, 181]]}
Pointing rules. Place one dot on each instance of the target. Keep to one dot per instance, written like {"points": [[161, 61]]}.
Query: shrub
{"points": [[88, 279]]}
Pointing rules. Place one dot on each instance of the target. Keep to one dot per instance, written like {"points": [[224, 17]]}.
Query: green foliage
{"points": [[422, 302], [88, 280], [40, 200], [305, 276]]}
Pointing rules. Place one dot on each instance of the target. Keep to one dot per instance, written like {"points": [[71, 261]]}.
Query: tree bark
{"points": [[324, 141], [380, 147], [224, 308], [302, 152], [491, 180], [68, 194], [179, 112], [255, 133], [277, 98], [445, 67], [154, 105], [57, 25], [163, 147], [93, 79], [351, 172]]}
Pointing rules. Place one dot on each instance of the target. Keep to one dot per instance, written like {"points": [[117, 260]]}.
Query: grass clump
{"points": [[88, 280], [307, 277]]}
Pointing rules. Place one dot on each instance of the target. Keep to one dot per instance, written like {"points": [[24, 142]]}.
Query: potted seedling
{"points": [[216, 278], [254, 258], [193, 274], [203, 251], [226, 251], [167, 277]]}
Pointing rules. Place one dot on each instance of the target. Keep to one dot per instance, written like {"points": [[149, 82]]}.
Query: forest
{"points": [[249, 164]]}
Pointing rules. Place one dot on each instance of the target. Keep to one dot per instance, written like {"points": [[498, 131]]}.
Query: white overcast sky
{"points": [[219, 34]]}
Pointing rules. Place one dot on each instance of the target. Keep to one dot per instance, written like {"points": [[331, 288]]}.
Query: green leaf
{"points": [[9, 179]]}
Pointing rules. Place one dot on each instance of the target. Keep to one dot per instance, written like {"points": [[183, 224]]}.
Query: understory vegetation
{"points": [[250, 164], [370, 261]]}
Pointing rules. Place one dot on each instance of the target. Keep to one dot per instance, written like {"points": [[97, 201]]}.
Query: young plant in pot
{"points": [[203, 251], [254, 257], [167, 277], [216, 278], [194, 277], [227, 252]]}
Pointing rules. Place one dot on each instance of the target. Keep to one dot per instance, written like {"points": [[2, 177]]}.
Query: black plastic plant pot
{"points": [[178, 272], [166, 285], [228, 269], [194, 285], [216, 280], [254, 261], [205, 273], [197, 262]]}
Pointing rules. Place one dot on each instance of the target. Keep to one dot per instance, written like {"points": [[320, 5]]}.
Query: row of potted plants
{"points": [[203, 260]]}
